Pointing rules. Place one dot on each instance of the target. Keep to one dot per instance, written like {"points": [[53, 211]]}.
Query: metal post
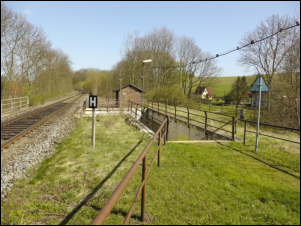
{"points": [[152, 118], [258, 113], [205, 122], [167, 128], [159, 151], [93, 127], [120, 91], [142, 85], [233, 121], [143, 194], [245, 131], [175, 113], [188, 117]]}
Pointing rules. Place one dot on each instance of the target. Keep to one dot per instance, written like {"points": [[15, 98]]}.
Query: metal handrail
{"points": [[266, 124], [233, 118], [107, 208]]}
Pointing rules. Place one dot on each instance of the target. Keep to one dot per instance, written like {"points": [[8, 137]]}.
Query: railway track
{"points": [[13, 130]]}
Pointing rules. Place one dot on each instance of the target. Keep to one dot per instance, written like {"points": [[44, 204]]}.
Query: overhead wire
{"points": [[234, 49]]}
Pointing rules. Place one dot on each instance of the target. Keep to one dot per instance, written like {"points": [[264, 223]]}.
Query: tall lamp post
{"points": [[120, 90], [142, 77]]}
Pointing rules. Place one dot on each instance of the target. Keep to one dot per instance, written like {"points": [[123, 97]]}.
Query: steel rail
{"points": [[31, 128], [278, 138], [33, 112]]}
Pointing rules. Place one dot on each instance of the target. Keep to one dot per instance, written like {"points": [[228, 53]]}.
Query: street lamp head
{"points": [[147, 61]]}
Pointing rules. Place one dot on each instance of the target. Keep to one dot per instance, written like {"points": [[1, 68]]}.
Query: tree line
{"points": [[29, 65]]}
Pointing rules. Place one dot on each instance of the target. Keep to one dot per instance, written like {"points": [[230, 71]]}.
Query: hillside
{"points": [[223, 85]]}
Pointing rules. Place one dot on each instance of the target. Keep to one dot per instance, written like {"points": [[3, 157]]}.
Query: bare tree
{"points": [[265, 57]]}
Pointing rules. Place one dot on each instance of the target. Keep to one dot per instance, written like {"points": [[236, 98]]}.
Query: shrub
{"points": [[164, 93]]}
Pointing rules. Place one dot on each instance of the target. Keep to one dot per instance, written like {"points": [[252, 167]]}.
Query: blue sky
{"points": [[91, 33]]}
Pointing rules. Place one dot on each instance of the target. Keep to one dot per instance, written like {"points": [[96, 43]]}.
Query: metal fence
{"points": [[266, 124], [107, 208], [225, 109], [8, 105], [174, 111]]}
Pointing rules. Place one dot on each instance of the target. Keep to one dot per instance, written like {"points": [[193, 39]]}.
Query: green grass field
{"points": [[196, 183], [223, 85]]}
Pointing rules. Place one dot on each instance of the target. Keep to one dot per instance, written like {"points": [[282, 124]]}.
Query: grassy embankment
{"points": [[35, 100], [222, 86], [196, 184]]}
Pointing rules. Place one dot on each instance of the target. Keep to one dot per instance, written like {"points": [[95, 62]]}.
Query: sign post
{"points": [[259, 86], [258, 113], [93, 105]]}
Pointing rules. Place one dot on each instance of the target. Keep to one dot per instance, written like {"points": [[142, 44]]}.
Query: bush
{"points": [[163, 93]]}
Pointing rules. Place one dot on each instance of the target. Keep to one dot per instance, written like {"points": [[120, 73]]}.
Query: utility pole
{"points": [[120, 90]]}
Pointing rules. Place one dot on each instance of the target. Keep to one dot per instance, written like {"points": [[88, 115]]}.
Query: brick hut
{"points": [[129, 93]]}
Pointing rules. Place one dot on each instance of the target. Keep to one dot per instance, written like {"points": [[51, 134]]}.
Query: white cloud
{"points": [[27, 11]]}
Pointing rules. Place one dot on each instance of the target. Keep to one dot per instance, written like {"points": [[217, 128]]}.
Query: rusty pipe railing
{"points": [[266, 124], [105, 211]]}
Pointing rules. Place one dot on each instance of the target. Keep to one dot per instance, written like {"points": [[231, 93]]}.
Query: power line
{"points": [[234, 49]]}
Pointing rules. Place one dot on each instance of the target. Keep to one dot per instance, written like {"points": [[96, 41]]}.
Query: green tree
{"points": [[239, 90]]}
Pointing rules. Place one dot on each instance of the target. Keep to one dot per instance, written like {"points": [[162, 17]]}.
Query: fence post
{"points": [[159, 151], [245, 130], [233, 121], [235, 124], [143, 194], [175, 113], [205, 122], [20, 103], [188, 117], [167, 128], [152, 118]]}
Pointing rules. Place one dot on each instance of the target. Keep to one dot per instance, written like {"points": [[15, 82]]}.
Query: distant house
{"points": [[205, 92], [255, 94], [15, 90], [129, 93]]}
